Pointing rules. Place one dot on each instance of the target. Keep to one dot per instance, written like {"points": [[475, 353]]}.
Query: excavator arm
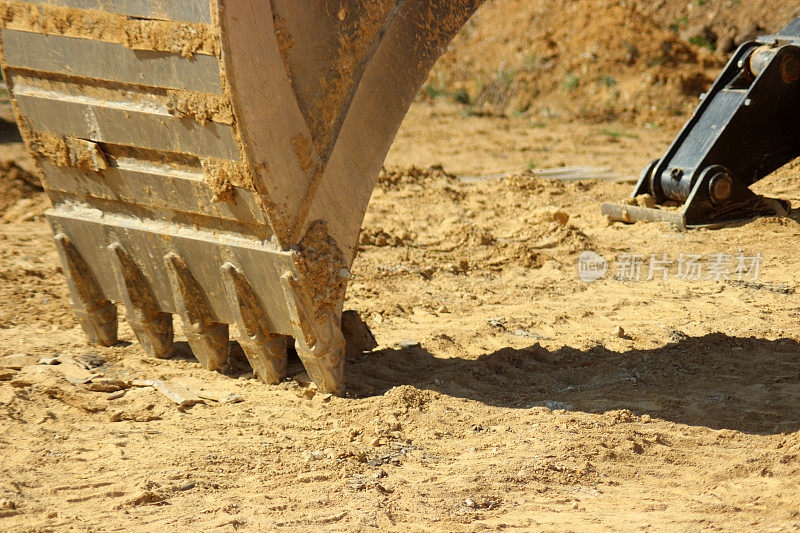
{"points": [[744, 129]]}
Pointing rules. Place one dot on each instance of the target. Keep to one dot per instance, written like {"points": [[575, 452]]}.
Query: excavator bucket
{"points": [[213, 159]]}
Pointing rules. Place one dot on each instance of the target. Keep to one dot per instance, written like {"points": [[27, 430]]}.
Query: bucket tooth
{"points": [[319, 341], [265, 350], [268, 358], [207, 338], [96, 315], [152, 327]]}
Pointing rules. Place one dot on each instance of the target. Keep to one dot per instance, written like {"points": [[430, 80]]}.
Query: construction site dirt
{"points": [[538, 366]]}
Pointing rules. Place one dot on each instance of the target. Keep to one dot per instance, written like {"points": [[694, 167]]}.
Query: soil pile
{"points": [[16, 184], [642, 62]]}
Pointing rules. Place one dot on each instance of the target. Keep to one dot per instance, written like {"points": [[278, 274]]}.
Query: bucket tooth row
{"points": [[321, 348], [214, 160]]}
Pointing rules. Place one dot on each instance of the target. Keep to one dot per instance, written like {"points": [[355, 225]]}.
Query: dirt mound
{"points": [[397, 178], [637, 61], [16, 184]]}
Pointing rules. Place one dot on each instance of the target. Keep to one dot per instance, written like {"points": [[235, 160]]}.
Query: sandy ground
{"points": [[503, 394]]}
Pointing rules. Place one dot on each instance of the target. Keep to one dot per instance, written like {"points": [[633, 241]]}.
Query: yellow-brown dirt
{"points": [[506, 393], [204, 108], [222, 176], [597, 60]]}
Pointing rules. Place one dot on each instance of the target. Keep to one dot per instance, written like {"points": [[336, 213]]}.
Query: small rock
{"points": [[17, 361], [621, 416], [552, 214], [427, 273], [6, 374], [497, 323], [469, 502], [107, 385], [529, 335], [7, 395], [116, 395], [90, 360], [75, 374], [311, 477], [379, 474], [233, 398], [380, 488], [646, 200], [50, 361], [35, 375], [145, 498], [189, 485], [177, 393], [316, 455], [375, 442], [675, 335], [619, 333], [646, 419], [48, 415], [358, 484], [556, 406], [485, 238], [408, 343], [7, 504]]}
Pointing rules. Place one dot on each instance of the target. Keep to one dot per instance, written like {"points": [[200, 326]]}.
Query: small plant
{"points": [[571, 82], [703, 42], [607, 81], [678, 24], [461, 96], [531, 62], [614, 134], [432, 91]]}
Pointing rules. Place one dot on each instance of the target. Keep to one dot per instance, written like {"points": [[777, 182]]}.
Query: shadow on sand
{"points": [[721, 382]]}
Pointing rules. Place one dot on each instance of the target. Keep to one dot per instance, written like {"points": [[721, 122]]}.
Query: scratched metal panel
{"points": [[204, 253], [152, 189], [128, 127], [110, 61], [179, 10]]}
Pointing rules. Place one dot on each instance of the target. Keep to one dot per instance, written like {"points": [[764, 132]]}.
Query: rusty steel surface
{"points": [[213, 160]]}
